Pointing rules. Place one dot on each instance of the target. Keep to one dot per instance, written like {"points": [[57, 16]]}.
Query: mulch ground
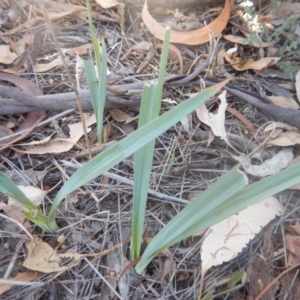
{"points": [[37, 99]]}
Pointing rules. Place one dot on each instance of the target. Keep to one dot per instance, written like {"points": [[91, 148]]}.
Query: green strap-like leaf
{"points": [[189, 220], [150, 108], [126, 147]]}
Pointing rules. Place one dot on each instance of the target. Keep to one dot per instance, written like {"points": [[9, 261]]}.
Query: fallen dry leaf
{"points": [[187, 123], [16, 213], [120, 116], [220, 61], [40, 142], [193, 37], [57, 10], [243, 41], [19, 46], [275, 128], [294, 228], [287, 138], [240, 64], [14, 209], [40, 68], [4, 132], [6, 56], [83, 49], [62, 145], [142, 46], [33, 118], [269, 167], [108, 3], [284, 102], [24, 276], [43, 258], [227, 238], [35, 194], [215, 121], [24, 84], [279, 125], [292, 243]]}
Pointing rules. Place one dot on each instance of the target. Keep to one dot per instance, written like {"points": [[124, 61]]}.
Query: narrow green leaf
{"points": [[208, 296], [188, 221], [95, 41], [163, 62], [232, 285], [253, 193], [102, 88], [240, 276], [40, 220], [235, 203], [11, 189], [97, 80], [150, 108], [93, 85], [118, 152], [34, 214], [142, 170], [97, 88]]}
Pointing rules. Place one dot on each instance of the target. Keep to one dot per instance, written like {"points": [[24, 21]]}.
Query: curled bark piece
{"points": [[193, 37]]}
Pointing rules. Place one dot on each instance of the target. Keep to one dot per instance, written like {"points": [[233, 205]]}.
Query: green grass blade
{"points": [[150, 108], [95, 41], [97, 80], [34, 214], [142, 170], [126, 147], [9, 188], [40, 220], [236, 278], [92, 81], [254, 193], [188, 221], [237, 281], [163, 62], [240, 200], [102, 71], [93, 36]]}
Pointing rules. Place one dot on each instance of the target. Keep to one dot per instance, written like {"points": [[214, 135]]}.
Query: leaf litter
{"points": [[94, 247]]}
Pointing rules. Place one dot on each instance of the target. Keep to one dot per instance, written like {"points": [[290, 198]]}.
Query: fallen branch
{"points": [[13, 101], [20, 102], [288, 115]]}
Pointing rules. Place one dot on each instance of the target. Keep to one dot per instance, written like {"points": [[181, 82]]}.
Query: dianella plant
{"points": [[227, 196], [96, 75], [149, 110], [101, 163]]}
